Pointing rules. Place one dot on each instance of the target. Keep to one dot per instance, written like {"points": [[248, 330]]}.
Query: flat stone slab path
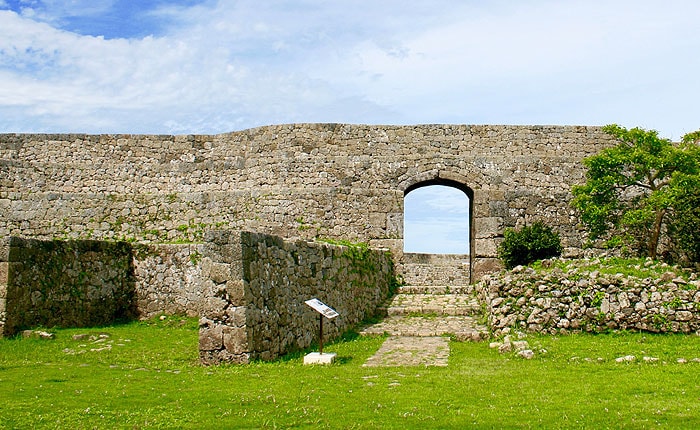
{"points": [[460, 327], [421, 320], [411, 351]]}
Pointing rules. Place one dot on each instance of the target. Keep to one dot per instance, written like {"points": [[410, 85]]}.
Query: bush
{"points": [[684, 228], [528, 245]]}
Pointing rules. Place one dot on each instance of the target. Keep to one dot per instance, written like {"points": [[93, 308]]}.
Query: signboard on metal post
{"points": [[323, 311]]}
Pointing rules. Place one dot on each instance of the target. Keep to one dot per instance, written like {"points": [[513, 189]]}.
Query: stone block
{"points": [[394, 225], [211, 336], [486, 248], [220, 272], [318, 358], [206, 265], [5, 249], [214, 308], [236, 292], [487, 227], [4, 275], [378, 219], [235, 340], [483, 266], [237, 316]]}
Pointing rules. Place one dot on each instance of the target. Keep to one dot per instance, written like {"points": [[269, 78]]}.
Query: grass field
{"points": [[146, 375]]}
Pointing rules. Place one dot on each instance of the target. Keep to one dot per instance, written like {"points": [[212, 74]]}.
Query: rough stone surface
{"points": [[298, 180], [411, 351], [172, 279], [581, 300], [276, 277], [68, 284]]}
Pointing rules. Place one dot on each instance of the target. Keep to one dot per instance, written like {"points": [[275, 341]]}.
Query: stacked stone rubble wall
{"points": [[526, 301], [263, 282], [68, 284], [168, 279]]}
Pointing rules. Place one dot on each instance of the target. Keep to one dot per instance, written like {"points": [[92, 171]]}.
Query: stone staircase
{"points": [[424, 308]]}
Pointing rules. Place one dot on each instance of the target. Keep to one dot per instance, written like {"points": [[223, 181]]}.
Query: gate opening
{"points": [[437, 218]]}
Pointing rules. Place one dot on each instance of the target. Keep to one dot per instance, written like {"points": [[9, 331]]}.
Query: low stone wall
{"points": [[69, 284], [168, 279], [435, 269], [261, 283], [589, 301]]}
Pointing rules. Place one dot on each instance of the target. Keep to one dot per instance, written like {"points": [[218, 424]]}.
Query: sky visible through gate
{"points": [[436, 221], [207, 66]]}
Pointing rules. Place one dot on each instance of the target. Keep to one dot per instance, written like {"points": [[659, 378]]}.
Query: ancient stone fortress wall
{"points": [[594, 302], [299, 180], [248, 288], [262, 283], [69, 284]]}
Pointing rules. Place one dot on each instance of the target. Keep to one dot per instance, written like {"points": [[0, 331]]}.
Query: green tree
{"points": [[684, 226], [632, 187]]}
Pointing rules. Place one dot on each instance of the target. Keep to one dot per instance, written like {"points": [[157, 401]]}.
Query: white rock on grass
{"points": [[521, 345], [527, 354], [626, 358]]}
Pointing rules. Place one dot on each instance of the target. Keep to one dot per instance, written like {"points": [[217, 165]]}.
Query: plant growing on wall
{"points": [[529, 244], [631, 188]]}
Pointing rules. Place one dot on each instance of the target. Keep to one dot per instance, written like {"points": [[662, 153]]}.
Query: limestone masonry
{"points": [[300, 180], [221, 226]]}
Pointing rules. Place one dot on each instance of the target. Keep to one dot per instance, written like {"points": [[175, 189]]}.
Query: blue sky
{"points": [[176, 67]]}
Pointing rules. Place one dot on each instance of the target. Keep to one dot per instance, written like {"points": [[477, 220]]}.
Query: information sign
{"points": [[322, 308]]}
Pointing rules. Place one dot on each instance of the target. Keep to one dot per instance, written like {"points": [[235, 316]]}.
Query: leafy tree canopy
{"points": [[632, 187]]}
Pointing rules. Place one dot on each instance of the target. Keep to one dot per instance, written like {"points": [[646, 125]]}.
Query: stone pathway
{"points": [[411, 351], [420, 321]]}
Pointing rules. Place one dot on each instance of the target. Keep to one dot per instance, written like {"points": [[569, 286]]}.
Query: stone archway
{"points": [[464, 220], [431, 269]]}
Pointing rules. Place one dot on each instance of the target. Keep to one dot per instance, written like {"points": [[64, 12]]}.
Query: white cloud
{"points": [[220, 66], [436, 220]]}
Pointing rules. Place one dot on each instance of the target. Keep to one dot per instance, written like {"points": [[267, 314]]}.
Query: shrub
{"points": [[684, 228], [529, 244]]}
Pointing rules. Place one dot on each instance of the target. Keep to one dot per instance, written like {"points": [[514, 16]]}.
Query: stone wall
{"points": [[69, 284], [584, 300], [262, 283], [449, 270], [169, 280], [300, 180]]}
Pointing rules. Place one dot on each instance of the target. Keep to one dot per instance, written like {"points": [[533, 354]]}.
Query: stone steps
{"points": [[431, 305], [462, 328], [435, 289], [428, 311]]}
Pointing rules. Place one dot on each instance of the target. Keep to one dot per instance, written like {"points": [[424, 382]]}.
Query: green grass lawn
{"points": [[150, 378]]}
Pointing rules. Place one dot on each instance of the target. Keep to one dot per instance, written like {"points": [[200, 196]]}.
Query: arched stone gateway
{"points": [[300, 180], [440, 269]]}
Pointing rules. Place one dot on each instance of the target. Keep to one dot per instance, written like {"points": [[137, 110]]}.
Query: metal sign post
{"points": [[323, 311]]}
